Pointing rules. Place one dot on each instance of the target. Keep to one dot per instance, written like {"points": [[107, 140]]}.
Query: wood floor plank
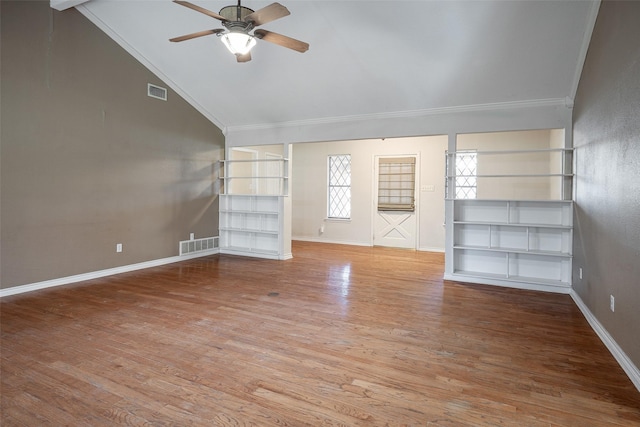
{"points": [[336, 336]]}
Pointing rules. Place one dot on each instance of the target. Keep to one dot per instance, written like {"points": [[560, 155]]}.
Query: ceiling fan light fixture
{"points": [[238, 43]]}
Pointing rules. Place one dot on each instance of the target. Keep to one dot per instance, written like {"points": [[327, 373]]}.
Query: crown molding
{"points": [[497, 106], [584, 48], [61, 5]]}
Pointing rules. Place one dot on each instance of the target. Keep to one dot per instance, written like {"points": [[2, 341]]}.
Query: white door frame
{"points": [[374, 193]]}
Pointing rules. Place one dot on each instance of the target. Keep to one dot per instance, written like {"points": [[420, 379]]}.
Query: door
{"points": [[395, 222]]}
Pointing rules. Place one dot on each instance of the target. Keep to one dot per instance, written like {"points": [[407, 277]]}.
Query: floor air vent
{"points": [[156, 92], [206, 244]]}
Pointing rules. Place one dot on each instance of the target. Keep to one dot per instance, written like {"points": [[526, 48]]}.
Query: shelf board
{"points": [[513, 224], [395, 173], [252, 195], [253, 160], [270, 213], [513, 200], [254, 177], [514, 251], [248, 230], [519, 279], [539, 150], [519, 175], [249, 250]]}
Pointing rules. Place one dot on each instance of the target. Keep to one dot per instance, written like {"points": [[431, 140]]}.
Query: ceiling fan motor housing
{"points": [[238, 26], [235, 13], [239, 21]]}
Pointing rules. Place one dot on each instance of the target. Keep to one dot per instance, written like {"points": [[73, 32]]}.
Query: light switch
{"points": [[429, 188]]}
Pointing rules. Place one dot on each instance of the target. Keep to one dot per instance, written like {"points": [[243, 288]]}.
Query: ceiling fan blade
{"points": [[244, 58], [195, 35], [200, 9], [281, 40], [267, 14]]}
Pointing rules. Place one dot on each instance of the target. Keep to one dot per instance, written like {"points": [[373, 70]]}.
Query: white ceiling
{"points": [[365, 57]]}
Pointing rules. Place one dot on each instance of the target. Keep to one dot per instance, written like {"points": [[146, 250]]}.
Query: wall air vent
{"points": [[156, 92], [206, 244]]}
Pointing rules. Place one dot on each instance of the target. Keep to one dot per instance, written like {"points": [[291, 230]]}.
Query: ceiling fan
{"points": [[239, 21]]}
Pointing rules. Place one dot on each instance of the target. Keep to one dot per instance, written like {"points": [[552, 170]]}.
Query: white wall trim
{"points": [[256, 254], [498, 106], [623, 360], [507, 283], [65, 4], [101, 273], [334, 242], [83, 9], [342, 242], [431, 249], [584, 48]]}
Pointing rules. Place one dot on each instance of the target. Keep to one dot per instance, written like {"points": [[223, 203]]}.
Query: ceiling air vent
{"points": [[156, 92]]}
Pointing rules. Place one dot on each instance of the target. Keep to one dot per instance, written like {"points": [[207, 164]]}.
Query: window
{"points": [[340, 186], [466, 171], [396, 183]]}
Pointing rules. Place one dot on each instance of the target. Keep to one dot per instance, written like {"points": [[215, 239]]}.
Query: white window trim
{"points": [[329, 186]]}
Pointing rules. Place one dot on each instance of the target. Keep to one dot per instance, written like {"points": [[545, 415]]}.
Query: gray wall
{"points": [[87, 159], [607, 141]]}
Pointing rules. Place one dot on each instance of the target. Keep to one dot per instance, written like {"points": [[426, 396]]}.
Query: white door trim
{"points": [[374, 193]]}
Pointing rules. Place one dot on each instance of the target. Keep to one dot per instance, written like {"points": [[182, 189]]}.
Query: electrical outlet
{"points": [[612, 303], [119, 247], [580, 271]]}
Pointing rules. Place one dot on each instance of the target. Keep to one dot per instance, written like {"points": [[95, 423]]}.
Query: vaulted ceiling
{"points": [[365, 57]]}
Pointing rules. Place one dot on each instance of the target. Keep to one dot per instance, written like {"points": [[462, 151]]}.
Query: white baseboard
{"points": [[335, 242], [250, 254], [507, 283], [441, 250], [344, 242], [627, 365], [101, 273]]}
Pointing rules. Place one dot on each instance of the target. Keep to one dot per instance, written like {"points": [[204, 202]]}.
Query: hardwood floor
{"points": [[337, 336]]}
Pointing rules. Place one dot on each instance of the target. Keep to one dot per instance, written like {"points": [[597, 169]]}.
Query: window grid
{"points": [[466, 171], [339, 196]]}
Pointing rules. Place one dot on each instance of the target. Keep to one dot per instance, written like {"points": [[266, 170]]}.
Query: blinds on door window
{"points": [[396, 183]]}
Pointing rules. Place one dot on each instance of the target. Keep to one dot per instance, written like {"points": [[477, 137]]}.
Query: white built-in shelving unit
{"points": [[510, 242], [252, 208]]}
